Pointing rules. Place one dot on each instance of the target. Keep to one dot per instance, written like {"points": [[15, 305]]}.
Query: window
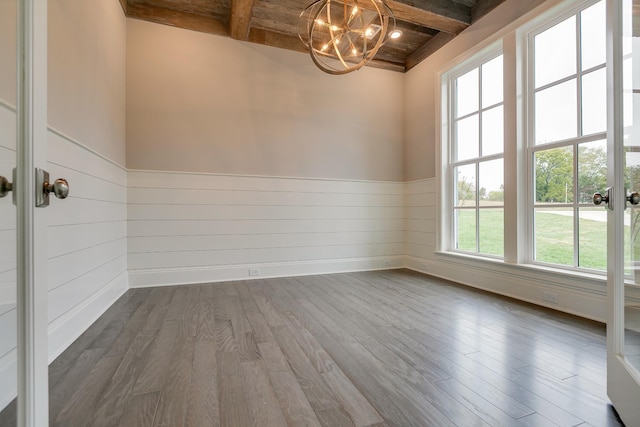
{"points": [[477, 159], [567, 140], [555, 149]]}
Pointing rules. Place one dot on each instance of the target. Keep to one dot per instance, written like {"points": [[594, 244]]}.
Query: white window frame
{"points": [[448, 240], [528, 35], [513, 42]]}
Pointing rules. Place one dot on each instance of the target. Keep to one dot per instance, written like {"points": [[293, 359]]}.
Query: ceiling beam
{"points": [[240, 21], [175, 18], [441, 15], [289, 42], [482, 7], [271, 38], [386, 65], [427, 49]]}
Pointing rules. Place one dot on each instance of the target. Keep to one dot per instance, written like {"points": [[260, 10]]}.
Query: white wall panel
{"points": [[222, 225], [8, 319], [87, 239], [261, 198], [150, 228], [216, 212], [420, 233]]}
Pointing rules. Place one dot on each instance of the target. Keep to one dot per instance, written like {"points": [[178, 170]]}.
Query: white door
{"points": [[623, 232], [23, 287]]}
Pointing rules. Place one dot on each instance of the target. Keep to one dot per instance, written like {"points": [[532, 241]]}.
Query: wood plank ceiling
{"points": [[427, 25]]}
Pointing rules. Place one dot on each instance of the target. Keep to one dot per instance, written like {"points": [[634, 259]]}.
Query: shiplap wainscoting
{"points": [[194, 228], [8, 319], [87, 240], [86, 245], [420, 227]]}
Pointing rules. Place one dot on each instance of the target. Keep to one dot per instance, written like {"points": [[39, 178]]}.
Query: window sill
{"points": [[561, 276]]}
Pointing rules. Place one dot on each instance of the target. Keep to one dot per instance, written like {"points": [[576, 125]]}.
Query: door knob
{"points": [[60, 188], [599, 198], [5, 186], [607, 198], [633, 198]]}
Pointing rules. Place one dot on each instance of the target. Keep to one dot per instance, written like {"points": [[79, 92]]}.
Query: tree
{"points": [[497, 196], [554, 175], [592, 172], [466, 189]]}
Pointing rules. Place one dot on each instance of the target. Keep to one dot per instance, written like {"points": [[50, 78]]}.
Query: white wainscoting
{"points": [[578, 294], [8, 319], [193, 228], [420, 230], [87, 247], [87, 240]]}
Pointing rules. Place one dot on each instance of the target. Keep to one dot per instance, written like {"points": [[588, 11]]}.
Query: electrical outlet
{"points": [[254, 272], [550, 297], [387, 262]]}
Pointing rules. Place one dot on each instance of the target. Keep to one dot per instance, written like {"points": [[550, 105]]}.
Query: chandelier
{"points": [[342, 36]]}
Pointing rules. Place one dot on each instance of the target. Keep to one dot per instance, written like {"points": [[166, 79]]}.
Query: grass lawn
{"points": [[554, 237]]}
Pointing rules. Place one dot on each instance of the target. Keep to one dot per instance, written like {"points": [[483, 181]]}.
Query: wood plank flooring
{"points": [[390, 348]]}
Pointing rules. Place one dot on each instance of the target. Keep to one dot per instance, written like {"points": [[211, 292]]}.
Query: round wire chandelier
{"points": [[342, 36]]}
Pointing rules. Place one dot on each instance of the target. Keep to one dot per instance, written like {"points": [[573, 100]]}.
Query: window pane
{"points": [[594, 102], [556, 113], [491, 183], [592, 235], [466, 230], [553, 235], [491, 233], [628, 81], [553, 174], [493, 131], [465, 177], [467, 93], [467, 138], [593, 36], [631, 239], [592, 170], [492, 82], [555, 52]]}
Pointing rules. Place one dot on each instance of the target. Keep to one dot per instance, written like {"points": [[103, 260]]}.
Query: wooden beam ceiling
{"points": [[441, 15], [427, 24], [240, 22], [176, 18]]}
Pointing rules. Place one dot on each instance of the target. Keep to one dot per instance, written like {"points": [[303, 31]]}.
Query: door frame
{"points": [[623, 381], [31, 118]]}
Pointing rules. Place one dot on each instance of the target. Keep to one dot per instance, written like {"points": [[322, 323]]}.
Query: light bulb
{"points": [[395, 34], [354, 51], [368, 32], [354, 10], [325, 47], [319, 21], [334, 28]]}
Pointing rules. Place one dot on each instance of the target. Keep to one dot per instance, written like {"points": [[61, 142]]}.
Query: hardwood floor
{"points": [[391, 348]]}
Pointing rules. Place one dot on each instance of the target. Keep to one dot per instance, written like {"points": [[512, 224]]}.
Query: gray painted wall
{"points": [[203, 103]]}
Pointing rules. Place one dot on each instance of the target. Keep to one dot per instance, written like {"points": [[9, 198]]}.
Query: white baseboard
{"points": [[518, 285], [68, 327], [8, 378], [181, 276]]}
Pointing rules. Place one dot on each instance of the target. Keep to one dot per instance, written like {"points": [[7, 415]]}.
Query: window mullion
{"points": [[576, 212], [579, 73], [477, 205]]}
